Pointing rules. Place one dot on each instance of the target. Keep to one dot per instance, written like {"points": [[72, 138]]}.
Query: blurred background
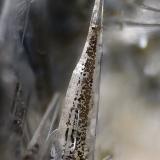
{"points": [[40, 43], [130, 86]]}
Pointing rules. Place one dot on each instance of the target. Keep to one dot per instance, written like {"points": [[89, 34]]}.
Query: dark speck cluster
{"points": [[20, 111], [82, 105]]}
